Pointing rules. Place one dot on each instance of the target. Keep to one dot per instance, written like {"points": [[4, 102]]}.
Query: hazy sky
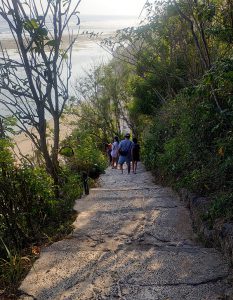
{"points": [[111, 7], [108, 7]]}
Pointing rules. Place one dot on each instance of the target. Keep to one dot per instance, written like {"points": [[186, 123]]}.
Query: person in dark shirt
{"points": [[135, 153]]}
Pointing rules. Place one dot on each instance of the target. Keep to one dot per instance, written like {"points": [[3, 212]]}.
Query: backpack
{"points": [[124, 152]]}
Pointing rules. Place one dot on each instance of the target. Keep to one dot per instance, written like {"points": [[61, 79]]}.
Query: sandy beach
{"points": [[82, 41], [25, 147]]}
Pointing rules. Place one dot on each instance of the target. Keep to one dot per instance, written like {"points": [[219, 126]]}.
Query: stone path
{"points": [[133, 240]]}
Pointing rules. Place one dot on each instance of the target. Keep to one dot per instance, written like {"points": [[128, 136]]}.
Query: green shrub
{"points": [[175, 157], [72, 188], [27, 203], [87, 156], [222, 207], [12, 269], [190, 141]]}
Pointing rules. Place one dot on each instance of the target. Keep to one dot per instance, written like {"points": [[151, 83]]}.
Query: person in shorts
{"points": [[135, 154], [114, 152], [125, 152]]}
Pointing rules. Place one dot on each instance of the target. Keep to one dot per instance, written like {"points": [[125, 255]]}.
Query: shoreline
{"points": [[81, 42]]}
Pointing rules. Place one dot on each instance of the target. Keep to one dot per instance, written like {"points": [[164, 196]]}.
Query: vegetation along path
{"points": [[132, 240]]}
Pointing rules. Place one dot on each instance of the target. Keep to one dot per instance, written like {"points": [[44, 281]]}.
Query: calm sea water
{"points": [[98, 23], [86, 52]]}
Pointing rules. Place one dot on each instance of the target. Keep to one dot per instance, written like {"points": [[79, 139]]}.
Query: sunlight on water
{"points": [[86, 52]]}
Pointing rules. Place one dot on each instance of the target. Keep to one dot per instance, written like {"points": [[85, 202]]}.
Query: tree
{"points": [[102, 101], [35, 85], [177, 44]]}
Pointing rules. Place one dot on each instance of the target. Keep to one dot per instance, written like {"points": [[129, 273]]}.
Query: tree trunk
{"points": [[43, 143], [55, 149]]}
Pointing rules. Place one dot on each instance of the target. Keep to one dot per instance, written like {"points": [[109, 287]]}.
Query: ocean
{"points": [[89, 54], [86, 52], [97, 23]]}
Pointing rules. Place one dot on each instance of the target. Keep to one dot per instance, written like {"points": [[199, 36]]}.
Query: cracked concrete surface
{"points": [[132, 240]]}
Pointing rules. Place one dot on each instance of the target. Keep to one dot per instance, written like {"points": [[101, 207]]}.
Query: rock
{"points": [[229, 294], [221, 235]]}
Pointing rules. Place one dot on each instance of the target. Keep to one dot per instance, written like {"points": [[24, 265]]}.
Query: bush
{"points": [[29, 210], [222, 207], [72, 188], [30, 213], [87, 156], [13, 268], [27, 204], [190, 142]]}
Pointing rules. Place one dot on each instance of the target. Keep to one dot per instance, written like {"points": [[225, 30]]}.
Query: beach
{"points": [[23, 146], [86, 54]]}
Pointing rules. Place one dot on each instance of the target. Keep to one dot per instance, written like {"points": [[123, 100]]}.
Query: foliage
{"points": [[222, 207], [191, 141], [72, 188], [171, 81], [88, 156], [35, 85], [101, 101], [6, 157], [13, 268], [29, 212], [180, 89], [27, 204]]}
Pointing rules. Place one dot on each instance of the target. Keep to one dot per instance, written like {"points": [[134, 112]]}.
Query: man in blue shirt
{"points": [[124, 151]]}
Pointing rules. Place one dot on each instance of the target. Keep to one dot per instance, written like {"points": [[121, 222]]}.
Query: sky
{"points": [[111, 7]]}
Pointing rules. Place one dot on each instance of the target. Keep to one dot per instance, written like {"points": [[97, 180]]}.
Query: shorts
{"points": [[123, 159]]}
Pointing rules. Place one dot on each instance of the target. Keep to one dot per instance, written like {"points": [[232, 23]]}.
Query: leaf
{"points": [[51, 43], [30, 25], [66, 151], [34, 24], [42, 32], [64, 56], [7, 250]]}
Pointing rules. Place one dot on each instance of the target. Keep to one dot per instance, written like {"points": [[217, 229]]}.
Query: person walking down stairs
{"points": [[124, 151], [135, 154]]}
